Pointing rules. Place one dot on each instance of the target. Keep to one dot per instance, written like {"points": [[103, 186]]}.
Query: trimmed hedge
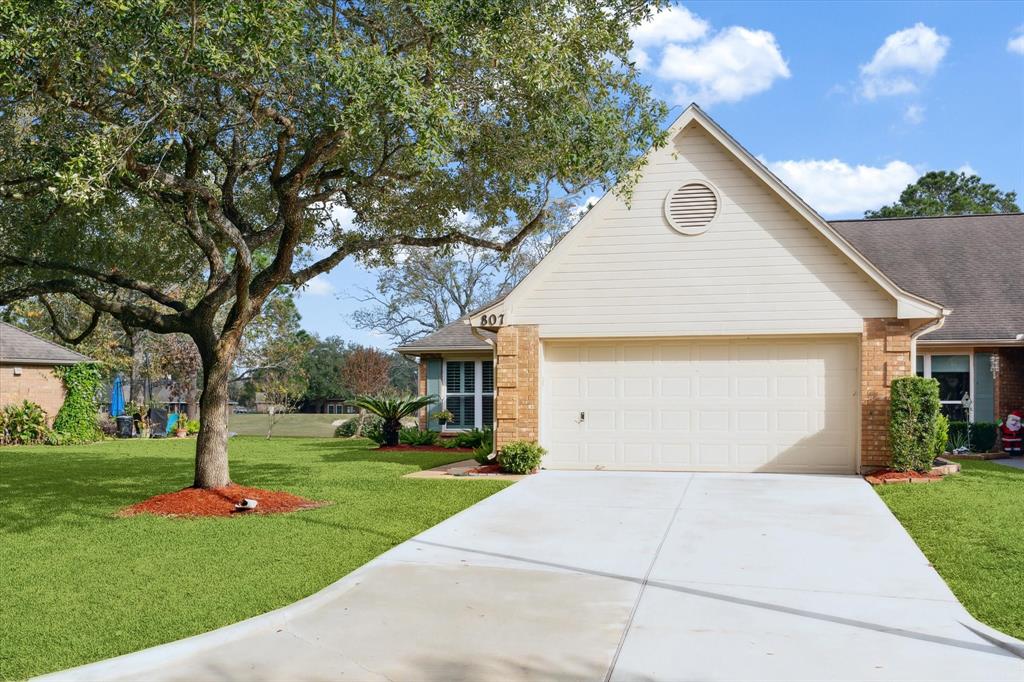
{"points": [[982, 435], [914, 425], [520, 457], [76, 421]]}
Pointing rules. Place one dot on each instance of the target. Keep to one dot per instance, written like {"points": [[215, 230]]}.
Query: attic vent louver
{"points": [[691, 208]]}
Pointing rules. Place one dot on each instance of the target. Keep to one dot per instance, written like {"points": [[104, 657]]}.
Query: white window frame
{"points": [[927, 364], [478, 390]]}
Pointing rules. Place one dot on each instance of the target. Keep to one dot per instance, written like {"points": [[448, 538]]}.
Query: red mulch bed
{"points": [[893, 476], [427, 448], [219, 502]]}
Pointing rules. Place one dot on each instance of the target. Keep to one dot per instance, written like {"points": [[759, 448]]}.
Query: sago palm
{"points": [[393, 410]]}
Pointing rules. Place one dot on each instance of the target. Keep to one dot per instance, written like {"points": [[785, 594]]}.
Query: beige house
{"points": [[26, 369], [716, 322]]}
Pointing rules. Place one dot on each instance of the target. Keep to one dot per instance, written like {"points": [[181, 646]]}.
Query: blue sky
{"points": [[846, 102]]}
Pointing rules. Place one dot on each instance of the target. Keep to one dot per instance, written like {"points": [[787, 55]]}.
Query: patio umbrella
{"points": [[117, 398]]}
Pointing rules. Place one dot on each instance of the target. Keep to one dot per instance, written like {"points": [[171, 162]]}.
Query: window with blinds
{"points": [[487, 395], [460, 390]]}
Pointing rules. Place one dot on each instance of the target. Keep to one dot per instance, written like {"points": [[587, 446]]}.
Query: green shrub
{"points": [[941, 439], [473, 438], [23, 424], [347, 428], [414, 436], [192, 426], [914, 410], [520, 457], [373, 428], [979, 436], [107, 426], [76, 420], [482, 453]]}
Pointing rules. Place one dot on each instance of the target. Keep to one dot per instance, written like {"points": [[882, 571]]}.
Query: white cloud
{"points": [[834, 187], [734, 64], [967, 169], [914, 114], [1016, 44], [318, 286], [902, 59]]}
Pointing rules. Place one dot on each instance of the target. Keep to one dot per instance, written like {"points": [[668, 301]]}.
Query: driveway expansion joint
{"points": [[646, 579]]}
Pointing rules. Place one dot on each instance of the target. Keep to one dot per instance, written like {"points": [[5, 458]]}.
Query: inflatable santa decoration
{"points": [[1012, 433]]}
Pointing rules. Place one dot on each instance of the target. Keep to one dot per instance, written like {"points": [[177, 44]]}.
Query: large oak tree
{"points": [[145, 143]]}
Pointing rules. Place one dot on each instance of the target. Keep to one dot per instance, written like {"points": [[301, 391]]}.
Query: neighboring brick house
{"points": [[26, 369], [715, 322]]}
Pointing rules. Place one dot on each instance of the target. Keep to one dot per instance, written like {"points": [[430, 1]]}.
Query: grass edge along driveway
{"points": [[80, 585], [971, 528]]}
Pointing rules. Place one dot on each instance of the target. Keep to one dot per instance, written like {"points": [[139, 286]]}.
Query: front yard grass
{"points": [[78, 584], [971, 528]]}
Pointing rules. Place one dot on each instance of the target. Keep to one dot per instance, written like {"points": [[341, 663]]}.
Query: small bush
{"points": [[941, 439], [373, 428], [23, 424], [473, 438], [979, 436], [914, 410], [192, 426], [482, 453], [414, 436], [520, 457], [107, 426], [347, 429]]}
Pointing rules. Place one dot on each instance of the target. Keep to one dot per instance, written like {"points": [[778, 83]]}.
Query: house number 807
{"points": [[492, 320]]}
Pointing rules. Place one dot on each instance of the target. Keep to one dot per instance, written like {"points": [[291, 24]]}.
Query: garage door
{"points": [[715, 405]]}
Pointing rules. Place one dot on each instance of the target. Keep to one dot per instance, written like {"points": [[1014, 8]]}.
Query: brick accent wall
{"points": [[516, 384], [1010, 382], [38, 384], [885, 355], [421, 384]]}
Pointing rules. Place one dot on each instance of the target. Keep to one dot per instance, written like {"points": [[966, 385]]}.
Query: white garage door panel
{"points": [[716, 405]]}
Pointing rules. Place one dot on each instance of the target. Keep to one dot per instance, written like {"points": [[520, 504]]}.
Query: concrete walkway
{"points": [[620, 576], [1015, 462]]}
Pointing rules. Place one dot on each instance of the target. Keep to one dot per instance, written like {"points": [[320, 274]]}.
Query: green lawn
{"points": [[78, 585], [971, 527], [293, 424]]}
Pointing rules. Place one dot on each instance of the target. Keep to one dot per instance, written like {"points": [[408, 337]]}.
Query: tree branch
{"points": [[74, 340]]}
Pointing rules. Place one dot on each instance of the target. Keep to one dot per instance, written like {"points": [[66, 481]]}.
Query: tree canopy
{"points": [[172, 164], [948, 193]]}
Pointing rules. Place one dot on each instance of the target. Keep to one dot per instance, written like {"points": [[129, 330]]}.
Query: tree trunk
{"points": [[212, 443], [359, 424]]}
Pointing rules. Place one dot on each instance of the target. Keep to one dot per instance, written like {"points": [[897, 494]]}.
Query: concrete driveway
{"points": [[621, 576]]}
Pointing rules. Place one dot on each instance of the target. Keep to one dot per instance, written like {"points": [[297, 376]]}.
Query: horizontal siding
{"points": [[759, 268]]}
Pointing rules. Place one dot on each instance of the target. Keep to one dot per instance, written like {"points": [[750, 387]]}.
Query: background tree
{"points": [[366, 372], [147, 144], [948, 193], [323, 366], [430, 288]]}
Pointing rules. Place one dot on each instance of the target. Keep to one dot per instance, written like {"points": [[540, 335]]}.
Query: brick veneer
{"points": [[38, 384], [516, 382], [421, 419], [1010, 382], [884, 355]]}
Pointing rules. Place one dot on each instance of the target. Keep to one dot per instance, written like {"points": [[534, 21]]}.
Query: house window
{"points": [[469, 393], [959, 376]]}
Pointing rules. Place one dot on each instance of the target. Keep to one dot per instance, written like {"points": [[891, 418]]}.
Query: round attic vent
{"points": [[691, 208]]}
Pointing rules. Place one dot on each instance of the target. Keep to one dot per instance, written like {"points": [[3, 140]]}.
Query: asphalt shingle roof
{"points": [[17, 345], [454, 336], [972, 264]]}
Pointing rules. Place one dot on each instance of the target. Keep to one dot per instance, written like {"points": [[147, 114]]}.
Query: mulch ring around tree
{"points": [[887, 476], [423, 448], [195, 502]]}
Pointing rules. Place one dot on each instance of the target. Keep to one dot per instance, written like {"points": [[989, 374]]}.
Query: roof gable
{"points": [[626, 248], [17, 345]]}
